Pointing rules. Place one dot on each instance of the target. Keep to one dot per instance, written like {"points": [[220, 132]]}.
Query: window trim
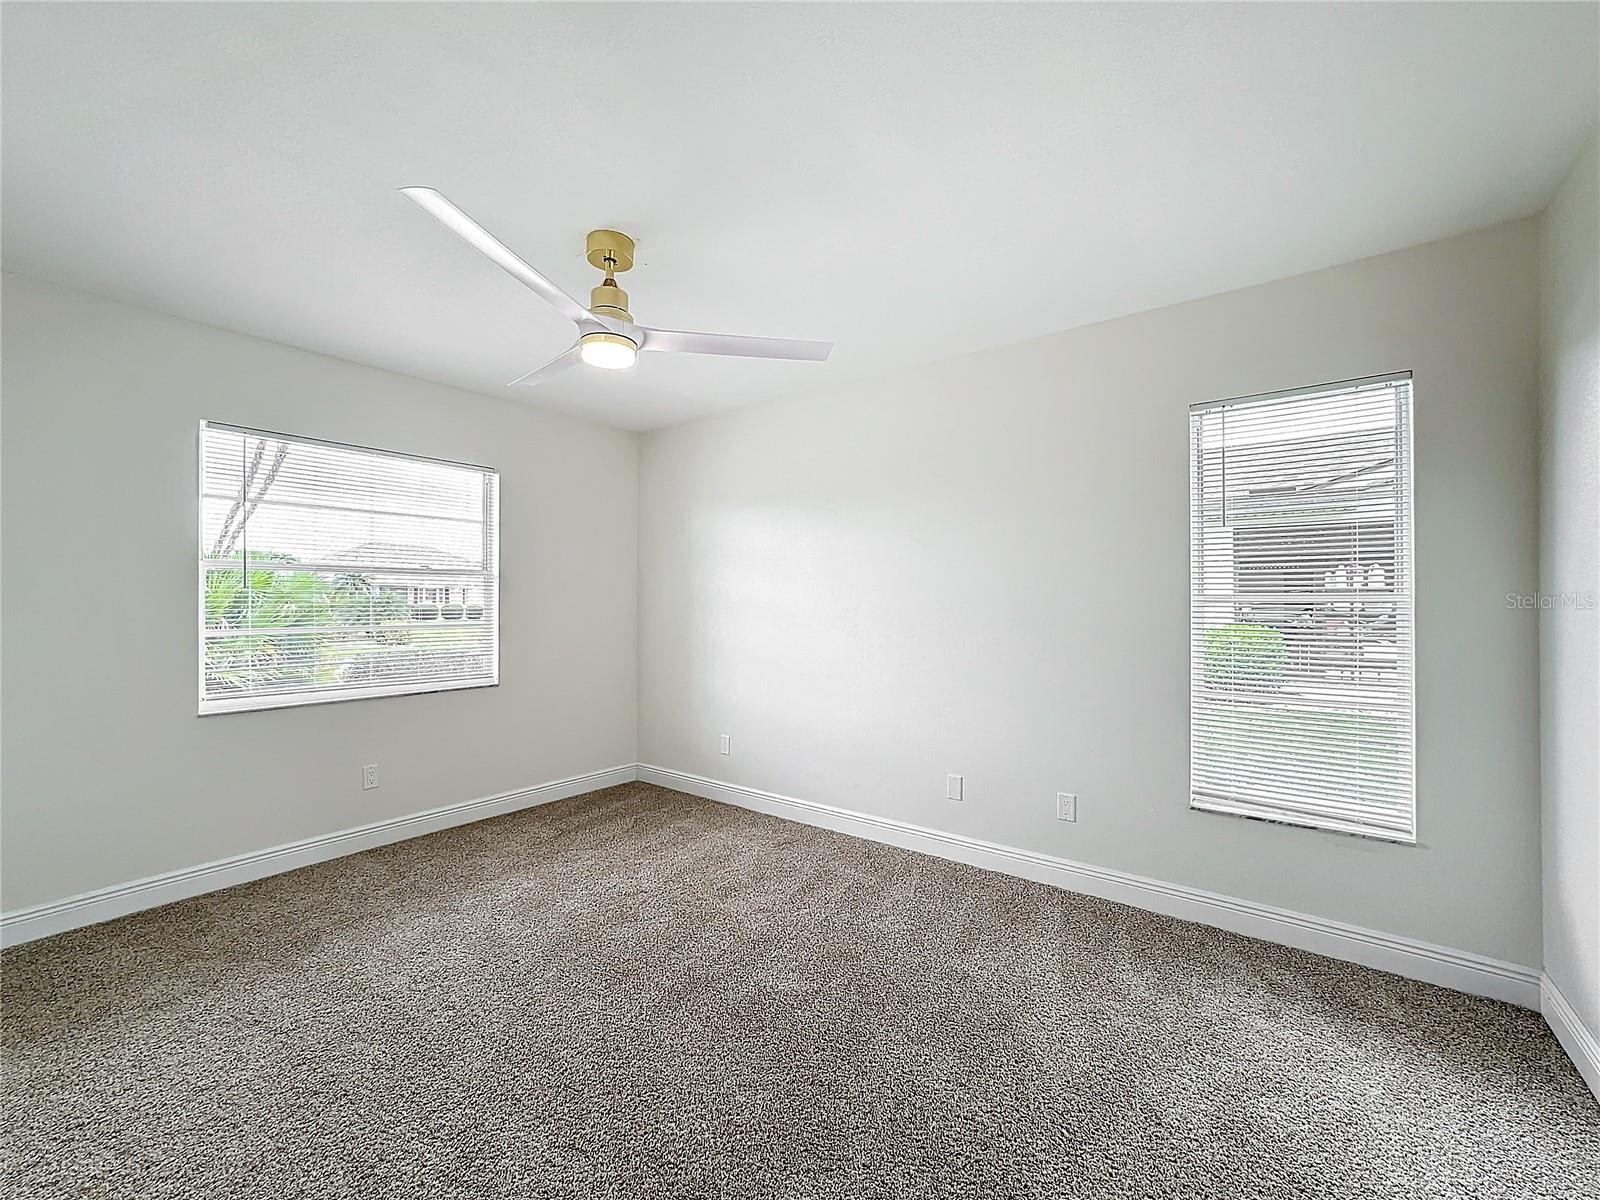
{"points": [[1405, 481], [334, 695]]}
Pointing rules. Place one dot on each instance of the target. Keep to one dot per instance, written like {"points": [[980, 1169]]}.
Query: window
{"points": [[1301, 649], [332, 572]]}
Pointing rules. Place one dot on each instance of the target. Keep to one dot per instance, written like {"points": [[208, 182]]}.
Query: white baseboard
{"points": [[1458, 969], [1576, 1038], [90, 908], [1413, 959]]}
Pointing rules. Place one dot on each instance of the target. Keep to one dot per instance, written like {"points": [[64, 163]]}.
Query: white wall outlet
{"points": [[369, 776], [954, 785], [727, 744], [1066, 806]]}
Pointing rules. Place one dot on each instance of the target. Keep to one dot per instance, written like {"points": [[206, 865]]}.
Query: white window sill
{"points": [[239, 704]]}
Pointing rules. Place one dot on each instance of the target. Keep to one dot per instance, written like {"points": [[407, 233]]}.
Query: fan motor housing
{"points": [[608, 300]]}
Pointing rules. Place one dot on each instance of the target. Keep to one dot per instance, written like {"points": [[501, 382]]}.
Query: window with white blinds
{"points": [[1301, 648], [331, 572]]}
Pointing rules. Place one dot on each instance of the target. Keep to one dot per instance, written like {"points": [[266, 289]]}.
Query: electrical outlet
{"points": [[954, 786], [369, 776], [727, 744], [1066, 806]]}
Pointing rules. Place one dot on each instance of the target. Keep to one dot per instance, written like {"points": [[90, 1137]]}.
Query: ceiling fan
{"points": [[607, 335]]}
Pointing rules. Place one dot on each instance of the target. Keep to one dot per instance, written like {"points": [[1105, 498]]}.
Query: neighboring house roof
{"points": [[399, 552]]}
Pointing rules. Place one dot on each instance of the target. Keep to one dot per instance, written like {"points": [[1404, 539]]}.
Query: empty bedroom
{"points": [[798, 600]]}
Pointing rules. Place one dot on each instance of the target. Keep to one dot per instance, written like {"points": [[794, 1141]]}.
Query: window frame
{"points": [[1406, 545], [282, 700]]}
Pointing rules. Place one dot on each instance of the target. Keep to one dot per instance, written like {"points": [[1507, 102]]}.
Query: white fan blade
{"points": [[733, 344], [555, 366], [486, 244]]}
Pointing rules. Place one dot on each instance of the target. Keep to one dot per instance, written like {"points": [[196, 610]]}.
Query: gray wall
{"points": [[1569, 558], [108, 774], [978, 567], [981, 567]]}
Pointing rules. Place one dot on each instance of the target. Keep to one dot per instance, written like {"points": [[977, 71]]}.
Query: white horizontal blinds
{"points": [[331, 572], [1301, 651]]}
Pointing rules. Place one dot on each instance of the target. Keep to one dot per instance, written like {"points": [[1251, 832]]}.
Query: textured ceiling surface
{"points": [[909, 181]]}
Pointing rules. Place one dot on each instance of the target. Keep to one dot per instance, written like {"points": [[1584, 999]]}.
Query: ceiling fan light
{"points": [[608, 351]]}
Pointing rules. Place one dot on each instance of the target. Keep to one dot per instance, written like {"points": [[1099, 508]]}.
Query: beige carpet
{"points": [[641, 994]]}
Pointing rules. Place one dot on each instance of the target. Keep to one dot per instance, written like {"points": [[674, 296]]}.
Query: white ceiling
{"points": [[909, 181]]}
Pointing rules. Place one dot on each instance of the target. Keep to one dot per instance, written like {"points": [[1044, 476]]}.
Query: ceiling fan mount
{"points": [[611, 252], [608, 337]]}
